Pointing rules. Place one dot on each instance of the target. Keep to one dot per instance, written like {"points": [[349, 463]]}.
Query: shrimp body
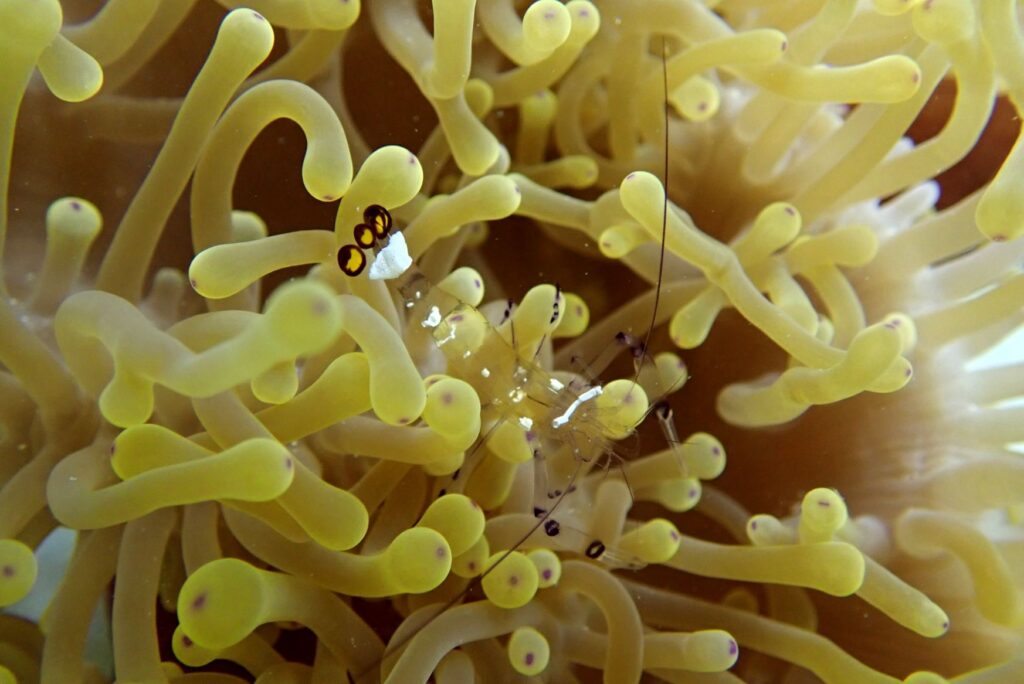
{"points": [[542, 431]]}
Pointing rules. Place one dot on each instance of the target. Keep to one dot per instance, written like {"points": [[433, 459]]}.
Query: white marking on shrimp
{"points": [[433, 318], [393, 260], [586, 396]]}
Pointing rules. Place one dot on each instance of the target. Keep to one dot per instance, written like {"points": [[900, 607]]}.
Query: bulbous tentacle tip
{"points": [[1000, 213], [586, 20], [419, 559], [458, 519], [70, 73], [18, 570], [248, 35], [528, 651], [189, 652], [512, 582], [304, 316], [219, 604]]}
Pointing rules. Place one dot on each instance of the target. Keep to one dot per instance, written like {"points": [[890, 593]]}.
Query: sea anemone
{"points": [[296, 458]]}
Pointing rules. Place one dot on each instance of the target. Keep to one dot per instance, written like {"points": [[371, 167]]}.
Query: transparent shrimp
{"points": [[556, 426], [548, 439]]}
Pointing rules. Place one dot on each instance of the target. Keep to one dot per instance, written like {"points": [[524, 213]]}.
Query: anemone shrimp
{"points": [[543, 461]]}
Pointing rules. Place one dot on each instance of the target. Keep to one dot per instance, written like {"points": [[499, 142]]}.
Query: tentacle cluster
{"points": [[252, 454]]}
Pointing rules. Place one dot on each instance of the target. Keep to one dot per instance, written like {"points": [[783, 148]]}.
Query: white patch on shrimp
{"points": [[433, 318], [393, 260], [586, 396]]}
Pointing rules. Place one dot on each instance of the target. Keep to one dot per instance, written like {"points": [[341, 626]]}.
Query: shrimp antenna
{"points": [[664, 210]]}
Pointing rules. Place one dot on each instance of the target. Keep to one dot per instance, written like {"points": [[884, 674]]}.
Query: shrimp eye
{"points": [[364, 236], [379, 219], [351, 260]]}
